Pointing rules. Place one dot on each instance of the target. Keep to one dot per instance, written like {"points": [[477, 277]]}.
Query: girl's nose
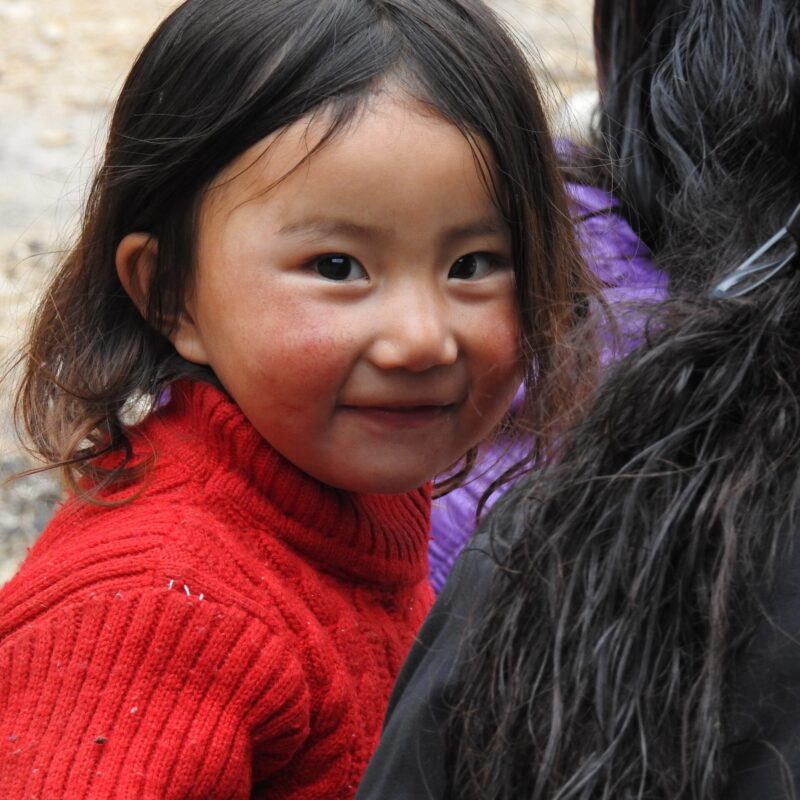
{"points": [[415, 333]]}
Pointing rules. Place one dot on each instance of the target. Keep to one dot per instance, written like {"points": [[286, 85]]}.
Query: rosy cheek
{"points": [[507, 343], [501, 361], [503, 345], [306, 352]]}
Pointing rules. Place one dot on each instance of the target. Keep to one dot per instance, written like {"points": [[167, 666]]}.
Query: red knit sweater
{"points": [[232, 632]]}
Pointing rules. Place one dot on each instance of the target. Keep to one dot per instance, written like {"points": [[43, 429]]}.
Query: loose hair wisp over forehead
{"points": [[217, 77]]}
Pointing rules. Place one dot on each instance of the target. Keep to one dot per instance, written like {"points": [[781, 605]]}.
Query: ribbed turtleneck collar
{"points": [[381, 539]]}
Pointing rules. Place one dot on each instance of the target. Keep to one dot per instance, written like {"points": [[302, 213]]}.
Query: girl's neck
{"points": [[366, 537]]}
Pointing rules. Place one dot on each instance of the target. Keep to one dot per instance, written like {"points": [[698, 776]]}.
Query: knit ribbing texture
{"points": [[232, 632]]}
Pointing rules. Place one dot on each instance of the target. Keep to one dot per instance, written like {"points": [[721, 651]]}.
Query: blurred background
{"points": [[61, 64]]}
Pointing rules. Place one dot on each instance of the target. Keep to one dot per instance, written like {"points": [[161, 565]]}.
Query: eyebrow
{"points": [[323, 226]]}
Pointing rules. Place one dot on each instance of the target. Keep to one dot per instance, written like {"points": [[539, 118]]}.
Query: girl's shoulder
{"points": [[101, 554], [122, 655], [183, 527]]}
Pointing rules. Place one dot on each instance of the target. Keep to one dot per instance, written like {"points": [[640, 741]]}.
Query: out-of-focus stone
{"points": [[55, 138], [16, 10], [52, 32], [25, 506]]}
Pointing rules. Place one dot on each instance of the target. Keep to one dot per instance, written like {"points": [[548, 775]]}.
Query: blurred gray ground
{"points": [[61, 64]]}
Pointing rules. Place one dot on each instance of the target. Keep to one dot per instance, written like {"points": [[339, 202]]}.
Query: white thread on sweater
{"points": [[186, 591]]}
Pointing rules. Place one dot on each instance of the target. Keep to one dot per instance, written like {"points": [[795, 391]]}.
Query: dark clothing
{"points": [[765, 747], [410, 759], [409, 763]]}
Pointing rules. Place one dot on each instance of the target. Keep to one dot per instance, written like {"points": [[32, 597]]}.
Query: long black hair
{"points": [[634, 571], [696, 97], [217, 77]]}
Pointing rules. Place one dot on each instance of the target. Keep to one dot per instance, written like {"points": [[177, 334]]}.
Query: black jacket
{"points": [[409, 763]]}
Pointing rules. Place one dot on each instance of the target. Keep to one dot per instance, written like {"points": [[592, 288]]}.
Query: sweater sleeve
{"points": [[410, 762], [145, 694]]}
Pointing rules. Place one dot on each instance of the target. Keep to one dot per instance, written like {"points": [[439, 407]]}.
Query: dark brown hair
{"points": [[215, 78]]}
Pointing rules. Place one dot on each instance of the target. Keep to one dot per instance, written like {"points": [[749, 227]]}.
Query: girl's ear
{"points": [[136, 262]]}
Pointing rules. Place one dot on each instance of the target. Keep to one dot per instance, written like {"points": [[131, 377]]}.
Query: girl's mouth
{"points": [[406, 416]]}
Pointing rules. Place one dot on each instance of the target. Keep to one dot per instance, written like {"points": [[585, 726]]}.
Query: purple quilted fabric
{"points": [[623, 264]]}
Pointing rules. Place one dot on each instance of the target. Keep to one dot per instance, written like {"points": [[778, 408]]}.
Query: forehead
{"points": [[394, 149]]}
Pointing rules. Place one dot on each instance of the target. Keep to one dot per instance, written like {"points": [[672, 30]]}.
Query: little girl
{"points": [[326, 242]]}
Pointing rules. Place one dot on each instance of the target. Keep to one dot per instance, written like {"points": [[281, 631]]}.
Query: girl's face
{"points": [[360, 310]]}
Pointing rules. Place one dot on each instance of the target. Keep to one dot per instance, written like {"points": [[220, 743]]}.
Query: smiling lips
{"points": [[403, 416]]}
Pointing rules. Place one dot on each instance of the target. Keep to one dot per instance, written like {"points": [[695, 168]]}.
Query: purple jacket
{"points": [[623, 264]]}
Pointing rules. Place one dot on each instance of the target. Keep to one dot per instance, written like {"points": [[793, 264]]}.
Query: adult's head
{"points": [[696, 122]]}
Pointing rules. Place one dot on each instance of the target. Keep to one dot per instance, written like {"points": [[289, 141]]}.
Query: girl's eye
{"points": [[472, 266], [339, 268]]}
